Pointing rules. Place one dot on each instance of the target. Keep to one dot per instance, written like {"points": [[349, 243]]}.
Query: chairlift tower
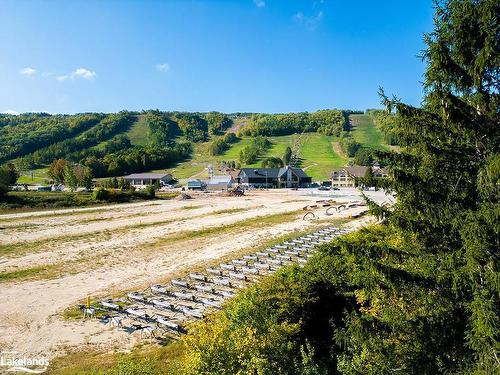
{"points": [[210, 170]]}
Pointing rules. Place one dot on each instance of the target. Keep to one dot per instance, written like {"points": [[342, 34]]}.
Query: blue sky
{"points": [[246, 55]]}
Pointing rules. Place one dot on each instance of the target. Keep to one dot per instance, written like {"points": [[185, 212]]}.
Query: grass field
{"points": [[36, 176], [316, 155], [365, 132], [319, 157], [139, 132]]}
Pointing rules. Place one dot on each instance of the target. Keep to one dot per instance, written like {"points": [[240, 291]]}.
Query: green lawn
{"points": [[365, 132], [36, 176], [139, 132], [318, 156], [187, 169], [316, 153]]}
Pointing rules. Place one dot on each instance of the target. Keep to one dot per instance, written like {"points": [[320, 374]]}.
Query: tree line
{"points": [[328, 122], [249, 154], [221, 144]]}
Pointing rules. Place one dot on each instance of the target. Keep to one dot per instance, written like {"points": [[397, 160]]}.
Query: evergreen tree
{"points": [[429, 297], [287, 156]]}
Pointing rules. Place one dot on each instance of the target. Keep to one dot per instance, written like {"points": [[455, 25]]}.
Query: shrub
{"points": [[272, 162], [363, 156], [251, 153], [100, 194], [150, 191], [350, 146]]}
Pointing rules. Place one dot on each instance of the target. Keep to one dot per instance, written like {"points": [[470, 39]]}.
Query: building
{"points": [[286, 177], [219, 183], [378, 171], [344, 177], [195, 185], [144, 179]]}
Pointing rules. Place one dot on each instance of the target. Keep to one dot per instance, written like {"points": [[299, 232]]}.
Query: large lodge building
{"points": [[286, 177]]}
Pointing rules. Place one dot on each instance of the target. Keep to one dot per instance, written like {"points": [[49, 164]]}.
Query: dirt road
{"points": [[55, 259]]}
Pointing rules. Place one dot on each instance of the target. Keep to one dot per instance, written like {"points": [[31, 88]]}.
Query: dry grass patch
{"points": [[145, 358], [91, 261]]}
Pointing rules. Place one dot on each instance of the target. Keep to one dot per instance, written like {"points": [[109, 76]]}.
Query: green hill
{"points": [[126, 142], [138, 134], [316, 155], [366, 133]]}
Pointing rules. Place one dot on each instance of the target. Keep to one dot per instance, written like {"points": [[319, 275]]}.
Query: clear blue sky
{"points": [[242, 55]]}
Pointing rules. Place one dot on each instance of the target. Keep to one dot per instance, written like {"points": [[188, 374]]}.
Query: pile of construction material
{"points": [[183, 197], [234, 192], [165, 308]]}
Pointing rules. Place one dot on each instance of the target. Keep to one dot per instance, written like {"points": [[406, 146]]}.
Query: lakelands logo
{"points": [[13, 362]]}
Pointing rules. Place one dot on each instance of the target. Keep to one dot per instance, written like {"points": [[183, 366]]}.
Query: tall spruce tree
{"points": [[427, 283]]}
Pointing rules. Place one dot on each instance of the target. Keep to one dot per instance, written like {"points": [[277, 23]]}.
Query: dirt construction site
{"points": [[52, 261]]}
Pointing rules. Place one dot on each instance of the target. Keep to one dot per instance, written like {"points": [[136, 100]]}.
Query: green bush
{"points": [[100, 194], [363, 156], [350, 146], [258, 332], [272, 162], [251, 153], [150, 191]]}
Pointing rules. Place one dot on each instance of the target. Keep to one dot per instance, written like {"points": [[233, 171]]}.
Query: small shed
{"points": [[195, 184], [219, 183]]}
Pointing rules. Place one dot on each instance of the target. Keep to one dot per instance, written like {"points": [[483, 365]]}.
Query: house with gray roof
{"points": [[345, 176], [144, 179], [285, 177]]}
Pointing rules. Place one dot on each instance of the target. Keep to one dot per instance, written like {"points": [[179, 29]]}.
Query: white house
{"points": [[219, 183], [344, 177], [144, 179]]}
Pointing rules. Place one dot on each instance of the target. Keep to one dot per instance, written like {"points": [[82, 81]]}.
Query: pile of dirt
{"points": [[183, 197], [233, 193]]}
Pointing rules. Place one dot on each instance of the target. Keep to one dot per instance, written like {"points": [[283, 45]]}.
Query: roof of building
{"points": [[219, 179], [234, 173], [272, 172], [298, 171], [138, 176], [195, 182], [260, 172], [354, 171]]}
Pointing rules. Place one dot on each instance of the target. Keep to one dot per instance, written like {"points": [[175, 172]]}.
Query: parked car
{"points": [[323, 188], [334, 188]]}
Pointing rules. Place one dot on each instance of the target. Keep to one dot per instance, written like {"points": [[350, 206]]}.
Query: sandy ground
{"points": [[104, 250]]}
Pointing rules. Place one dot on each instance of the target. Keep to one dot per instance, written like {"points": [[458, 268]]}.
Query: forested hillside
{"points": [[101, 142], [23, 134], [127, 142]]}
